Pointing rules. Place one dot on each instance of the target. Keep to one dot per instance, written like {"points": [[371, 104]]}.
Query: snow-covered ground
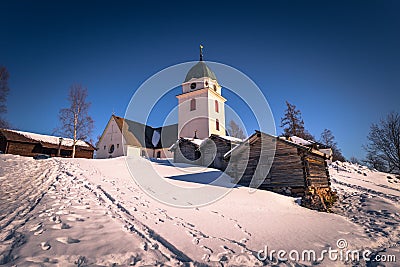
{"points": [[78, 212]]}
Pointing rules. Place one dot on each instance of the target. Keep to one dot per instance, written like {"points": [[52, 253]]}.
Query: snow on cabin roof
{"points": [[195, 141], [242, 143], [231, 138], [48, 138], [300, 141]]}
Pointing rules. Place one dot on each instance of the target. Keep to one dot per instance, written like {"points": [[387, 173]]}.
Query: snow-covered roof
{"points": [[294, 140], [300, 141], [194, 140], [239, 145], [50, 139], [231, 138]]}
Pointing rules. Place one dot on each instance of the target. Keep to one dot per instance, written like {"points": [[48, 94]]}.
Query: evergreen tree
{"points": [[293, 123]]}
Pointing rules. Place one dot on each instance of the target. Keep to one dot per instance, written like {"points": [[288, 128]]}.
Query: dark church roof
{"points": [[200, 70], [138, 134]]}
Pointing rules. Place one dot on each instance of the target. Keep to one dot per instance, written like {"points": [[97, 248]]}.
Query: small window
{"points": [[104, 147], [117, 145], [158, 154], [217, 124], [215, 88], [111, 150], [192, 104], [192, 86], [143, 153], [206, 83], [216, 106]]}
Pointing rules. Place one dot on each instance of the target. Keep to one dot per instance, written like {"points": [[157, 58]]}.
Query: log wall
{"points": [[293, 169], [186, 152], [213, 153]]}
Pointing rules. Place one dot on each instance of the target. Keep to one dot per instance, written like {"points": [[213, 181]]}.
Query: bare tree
{"points": [[374, 162], [4, 89], [354, 160], [384, 142], [75, 120], [235, 130], [328, 139], [293, 123]]}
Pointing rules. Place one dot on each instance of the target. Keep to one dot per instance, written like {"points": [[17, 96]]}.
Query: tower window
{"points": [[193, 104], [216, 106], [215, 88], [104, 147], [192, 85], [217, 124]]}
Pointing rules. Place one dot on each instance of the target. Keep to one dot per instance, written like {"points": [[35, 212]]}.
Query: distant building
{"points": [[125, 137], [32, 144]]}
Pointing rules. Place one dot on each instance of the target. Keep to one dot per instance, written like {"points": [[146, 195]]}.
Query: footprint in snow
{"points": [[207, 249], [39, 232], [190, 233], [45, 245], [61, 226], [36, 227], [67, 240], [238, 226]]}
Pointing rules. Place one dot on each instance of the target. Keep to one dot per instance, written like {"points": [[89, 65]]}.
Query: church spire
{"points": [[201, 53]]}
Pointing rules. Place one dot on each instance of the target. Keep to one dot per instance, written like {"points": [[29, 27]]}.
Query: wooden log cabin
{"points": [[31, 144], [186, 150], [278, 164], [208, 152], [214, 148]]}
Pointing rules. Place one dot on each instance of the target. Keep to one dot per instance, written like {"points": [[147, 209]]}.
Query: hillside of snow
{"points": [[83, 212]]}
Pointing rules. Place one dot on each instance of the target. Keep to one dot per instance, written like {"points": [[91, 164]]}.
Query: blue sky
{"points": [[337, 61]]}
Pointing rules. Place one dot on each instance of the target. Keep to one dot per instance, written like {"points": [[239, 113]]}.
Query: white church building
{"points": [[201, 113]]}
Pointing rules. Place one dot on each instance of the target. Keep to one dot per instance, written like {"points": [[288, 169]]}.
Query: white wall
{"points": [[213, 115], [189, 121], [111, 136], [203, 119]]}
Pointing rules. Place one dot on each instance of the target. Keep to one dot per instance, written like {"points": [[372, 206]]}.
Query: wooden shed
{"points": [[186, 150], [294, 168], [31, 144], [214, 148]]}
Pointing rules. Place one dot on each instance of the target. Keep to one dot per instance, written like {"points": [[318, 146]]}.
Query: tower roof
{"points": [[200, 70]]}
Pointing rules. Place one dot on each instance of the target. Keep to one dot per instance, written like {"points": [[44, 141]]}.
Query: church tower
{"points": [[201, 110]]}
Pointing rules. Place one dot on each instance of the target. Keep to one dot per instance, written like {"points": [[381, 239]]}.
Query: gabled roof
{"points": [[44, 140], [227, 139], [251, 139], [194, 141], [138, 134]]}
